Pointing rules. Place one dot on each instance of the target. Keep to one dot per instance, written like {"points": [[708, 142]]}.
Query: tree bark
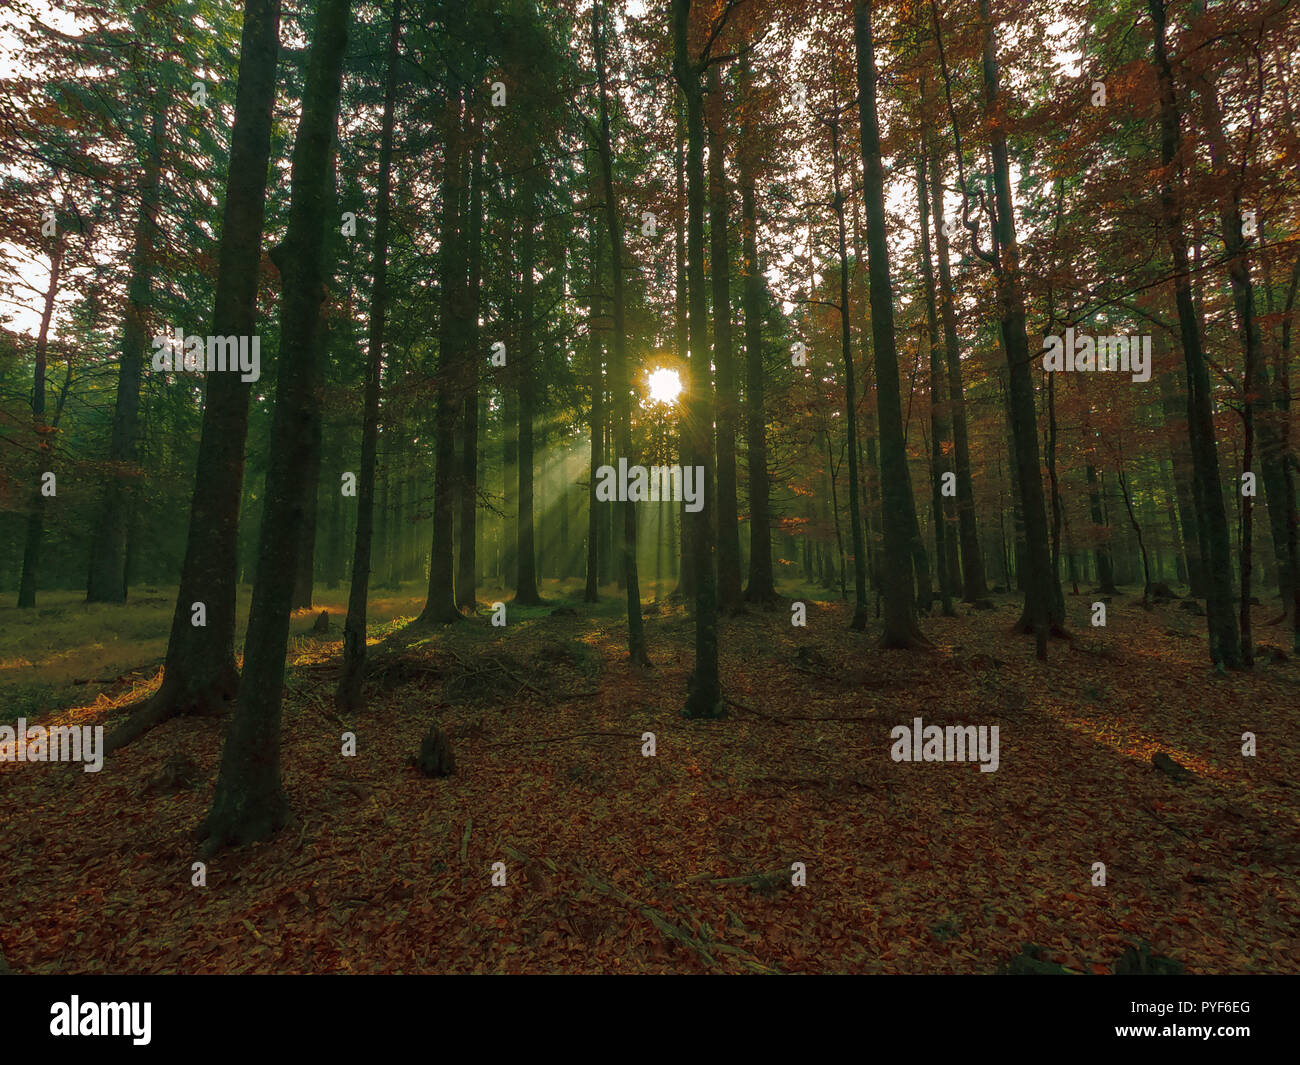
{"points": [[1044, 606], [938, 423], [896, 483], [467, 568], [704, 695], [440, 606], [250, 803], [730, 594], [347, 695], [618, 366], [199, 672], [762, 586], [1225, 638]]}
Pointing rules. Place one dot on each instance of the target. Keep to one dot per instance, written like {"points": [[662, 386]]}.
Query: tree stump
{"points": [[435, 758]]}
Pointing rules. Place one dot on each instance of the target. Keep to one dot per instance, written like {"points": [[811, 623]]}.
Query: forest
{"points": [[531, 486]]}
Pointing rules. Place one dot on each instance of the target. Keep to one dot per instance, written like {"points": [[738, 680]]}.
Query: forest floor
{"points": [[618, 862]]}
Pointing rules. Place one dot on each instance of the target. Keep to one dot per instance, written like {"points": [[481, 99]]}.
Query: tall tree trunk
{"points": [[704, 696], [974, 584], [686, 581], [762, 587], [938, 423], [250, 803], [1259, 409], [1044, 607], [596, 425], [107, 581], [1225, 639], [440, 607], [859, 621], [467, 573], [526, 591], [730, 594], [618, 365], [347, 696], [199, 672], [896, 483]]}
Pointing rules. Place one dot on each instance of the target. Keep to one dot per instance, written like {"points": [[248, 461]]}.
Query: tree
{"points": [[347, 695], [704, 695], [901, 629], [249, 803], [199, 671], [618, 375], [1225, 639]]}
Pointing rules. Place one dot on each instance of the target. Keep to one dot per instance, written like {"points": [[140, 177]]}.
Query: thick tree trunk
{"points": [[896, 483], [1044, 607], [250, 803], [199, 672]]}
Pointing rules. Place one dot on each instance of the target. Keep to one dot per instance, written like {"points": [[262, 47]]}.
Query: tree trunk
{"points": [[704, 696], [199, 672], [618, 364], [730, 594], [938, 423], [762, 587], [974, 585], [305, 576], [440, 607], [467, 572], [859, 621], [526, 591], [1225, 639], [250, 803], [107, 581], [596, 426], [896, 483], [1044, 607], [347, 696]]}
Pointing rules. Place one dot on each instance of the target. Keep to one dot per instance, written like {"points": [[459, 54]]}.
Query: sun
{"points": [[665, 385]]}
